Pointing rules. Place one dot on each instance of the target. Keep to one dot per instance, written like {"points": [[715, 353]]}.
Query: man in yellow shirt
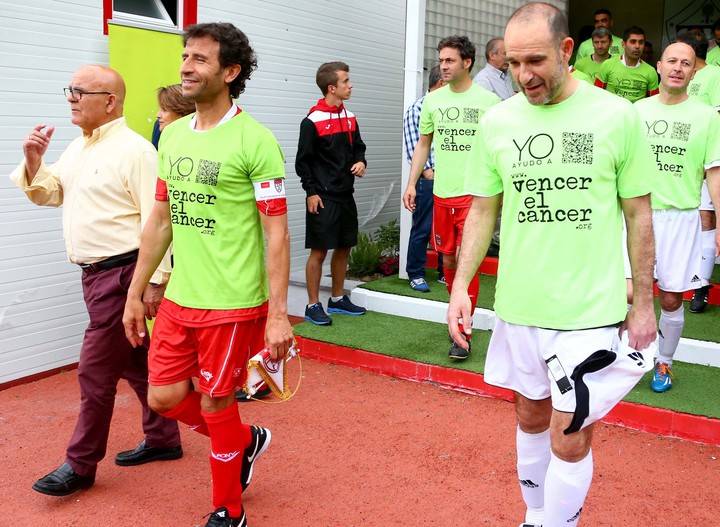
{"points": [[105, 181]]}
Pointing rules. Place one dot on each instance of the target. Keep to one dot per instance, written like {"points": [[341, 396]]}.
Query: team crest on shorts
{"points": [[278, 185], [438, 241], [206, 375], [237, 372]]}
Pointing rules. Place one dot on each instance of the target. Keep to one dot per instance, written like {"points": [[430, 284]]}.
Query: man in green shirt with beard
{"points": [[567, 161], [590, 65]]}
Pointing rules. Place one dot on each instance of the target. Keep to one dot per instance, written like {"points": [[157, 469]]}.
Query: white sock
{"points": [[533, 456], [336, 298], [566, 486], [671, 326], [708, 256]]}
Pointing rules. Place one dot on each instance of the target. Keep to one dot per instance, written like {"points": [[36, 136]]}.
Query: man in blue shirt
{"points": [[494, 76], [422, 217]]}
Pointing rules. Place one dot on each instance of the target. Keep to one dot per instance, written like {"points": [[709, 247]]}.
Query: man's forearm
{"points": [[477, 234], [278, 270], [419, 158], [154, 242], [641, 249]]}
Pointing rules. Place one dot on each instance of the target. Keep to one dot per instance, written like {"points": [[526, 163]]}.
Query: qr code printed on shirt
{"points": [[694, 89], [207, 172], [680, 131], [577, 148], [471, 115]]}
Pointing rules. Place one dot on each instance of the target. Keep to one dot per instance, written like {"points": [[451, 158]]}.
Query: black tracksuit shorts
{"points": [[336, 225]]}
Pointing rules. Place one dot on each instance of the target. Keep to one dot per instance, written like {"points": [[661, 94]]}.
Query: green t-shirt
{"points": [[561, 168], [705, 86], [582, 76], [217, 235], [588, 66], [683, 138], [713, 56], [632, 84], [586, 48], [453, 119]]}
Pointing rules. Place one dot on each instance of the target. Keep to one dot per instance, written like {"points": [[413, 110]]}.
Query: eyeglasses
{"points": [[75, 94]]}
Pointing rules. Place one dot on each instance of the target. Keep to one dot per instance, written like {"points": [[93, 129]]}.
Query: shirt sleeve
{"points": [[712, 151], [634, 162], [653, 84], [141, 183], [359, 147], [481, 175], [46, 187], [602, 75], [305, 157], [265, 160]]}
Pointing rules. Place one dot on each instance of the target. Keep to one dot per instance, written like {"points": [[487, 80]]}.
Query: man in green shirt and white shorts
{"points": [[567, 161], [684, 136], [705, 87]]}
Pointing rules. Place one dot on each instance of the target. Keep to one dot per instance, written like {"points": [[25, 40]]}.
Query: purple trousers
{"points": [[106, 357]]}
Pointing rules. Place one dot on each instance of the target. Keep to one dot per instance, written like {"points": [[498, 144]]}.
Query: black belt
{"points": [[109, 263]]}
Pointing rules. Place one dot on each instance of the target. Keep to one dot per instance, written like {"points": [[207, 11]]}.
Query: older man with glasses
{"points": [[105, 180]]}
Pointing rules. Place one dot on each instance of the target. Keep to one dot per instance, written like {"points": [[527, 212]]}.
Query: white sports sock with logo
{"points": [[708, 256], [670, 326], [533, 456], [566, 487]]}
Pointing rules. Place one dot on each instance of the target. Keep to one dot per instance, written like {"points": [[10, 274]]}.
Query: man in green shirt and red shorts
{"points": [[221, 186], [449, 120], [567, 161]]}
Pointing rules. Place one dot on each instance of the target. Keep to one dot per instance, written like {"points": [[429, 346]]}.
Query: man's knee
{"points": [[571, 447], [162, 399], [533, 416], [216, 404], [670, 301], [449, 261], [707, 220], [317, 256]]}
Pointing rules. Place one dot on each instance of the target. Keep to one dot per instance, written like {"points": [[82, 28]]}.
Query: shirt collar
{"points": [[622, 59], [101, 132], [232, 112], [500, 73]]}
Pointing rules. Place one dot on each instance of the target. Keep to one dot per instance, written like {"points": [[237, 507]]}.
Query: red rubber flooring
{"points": [[352, 449]]}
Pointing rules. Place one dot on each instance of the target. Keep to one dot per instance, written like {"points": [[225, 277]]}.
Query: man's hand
{"points": [[358, 169], [152, 296], [641, 327], [314, 204], [35, 146], [459, 309], [409, 198], [278, 336], [428, 173], [134, 321]]}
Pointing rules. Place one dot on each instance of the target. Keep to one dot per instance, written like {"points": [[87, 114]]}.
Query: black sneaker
{"points": [[316, 314], [221, 518], [458, 353], [699, 300], [345, 307], [259, 442]]}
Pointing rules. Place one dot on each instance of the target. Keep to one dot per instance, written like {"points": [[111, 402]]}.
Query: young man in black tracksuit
{"points": [[331, 154]]}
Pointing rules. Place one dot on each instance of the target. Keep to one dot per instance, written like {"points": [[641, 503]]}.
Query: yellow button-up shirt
{"points": [[106, 184]]}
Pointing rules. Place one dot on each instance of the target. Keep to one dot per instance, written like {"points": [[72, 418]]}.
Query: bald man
{"points": [[105, 181], [684, 135], [567, 160]]}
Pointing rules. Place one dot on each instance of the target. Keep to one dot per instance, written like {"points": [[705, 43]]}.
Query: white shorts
{"points": [[705, 201], [678, 249], [584, 372]]}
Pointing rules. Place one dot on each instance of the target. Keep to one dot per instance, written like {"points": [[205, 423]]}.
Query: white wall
{"points": [[42, 314]]}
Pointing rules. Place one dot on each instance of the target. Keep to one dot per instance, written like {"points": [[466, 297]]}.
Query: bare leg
{"points": [[313, 273], [338, 268]]}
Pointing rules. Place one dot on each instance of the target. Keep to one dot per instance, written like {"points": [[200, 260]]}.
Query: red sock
{"points": [[473, 290], [188, 412], [228, 440]]}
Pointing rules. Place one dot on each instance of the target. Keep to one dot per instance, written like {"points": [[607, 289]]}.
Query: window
{"points": [[168, 15]]}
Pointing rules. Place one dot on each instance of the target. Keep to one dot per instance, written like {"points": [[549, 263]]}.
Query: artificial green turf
{"points": [[704, 326], [696, 389]]}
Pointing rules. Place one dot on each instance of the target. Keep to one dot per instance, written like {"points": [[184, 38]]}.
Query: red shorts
{"points": [[448, 221], [216, 354]]}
